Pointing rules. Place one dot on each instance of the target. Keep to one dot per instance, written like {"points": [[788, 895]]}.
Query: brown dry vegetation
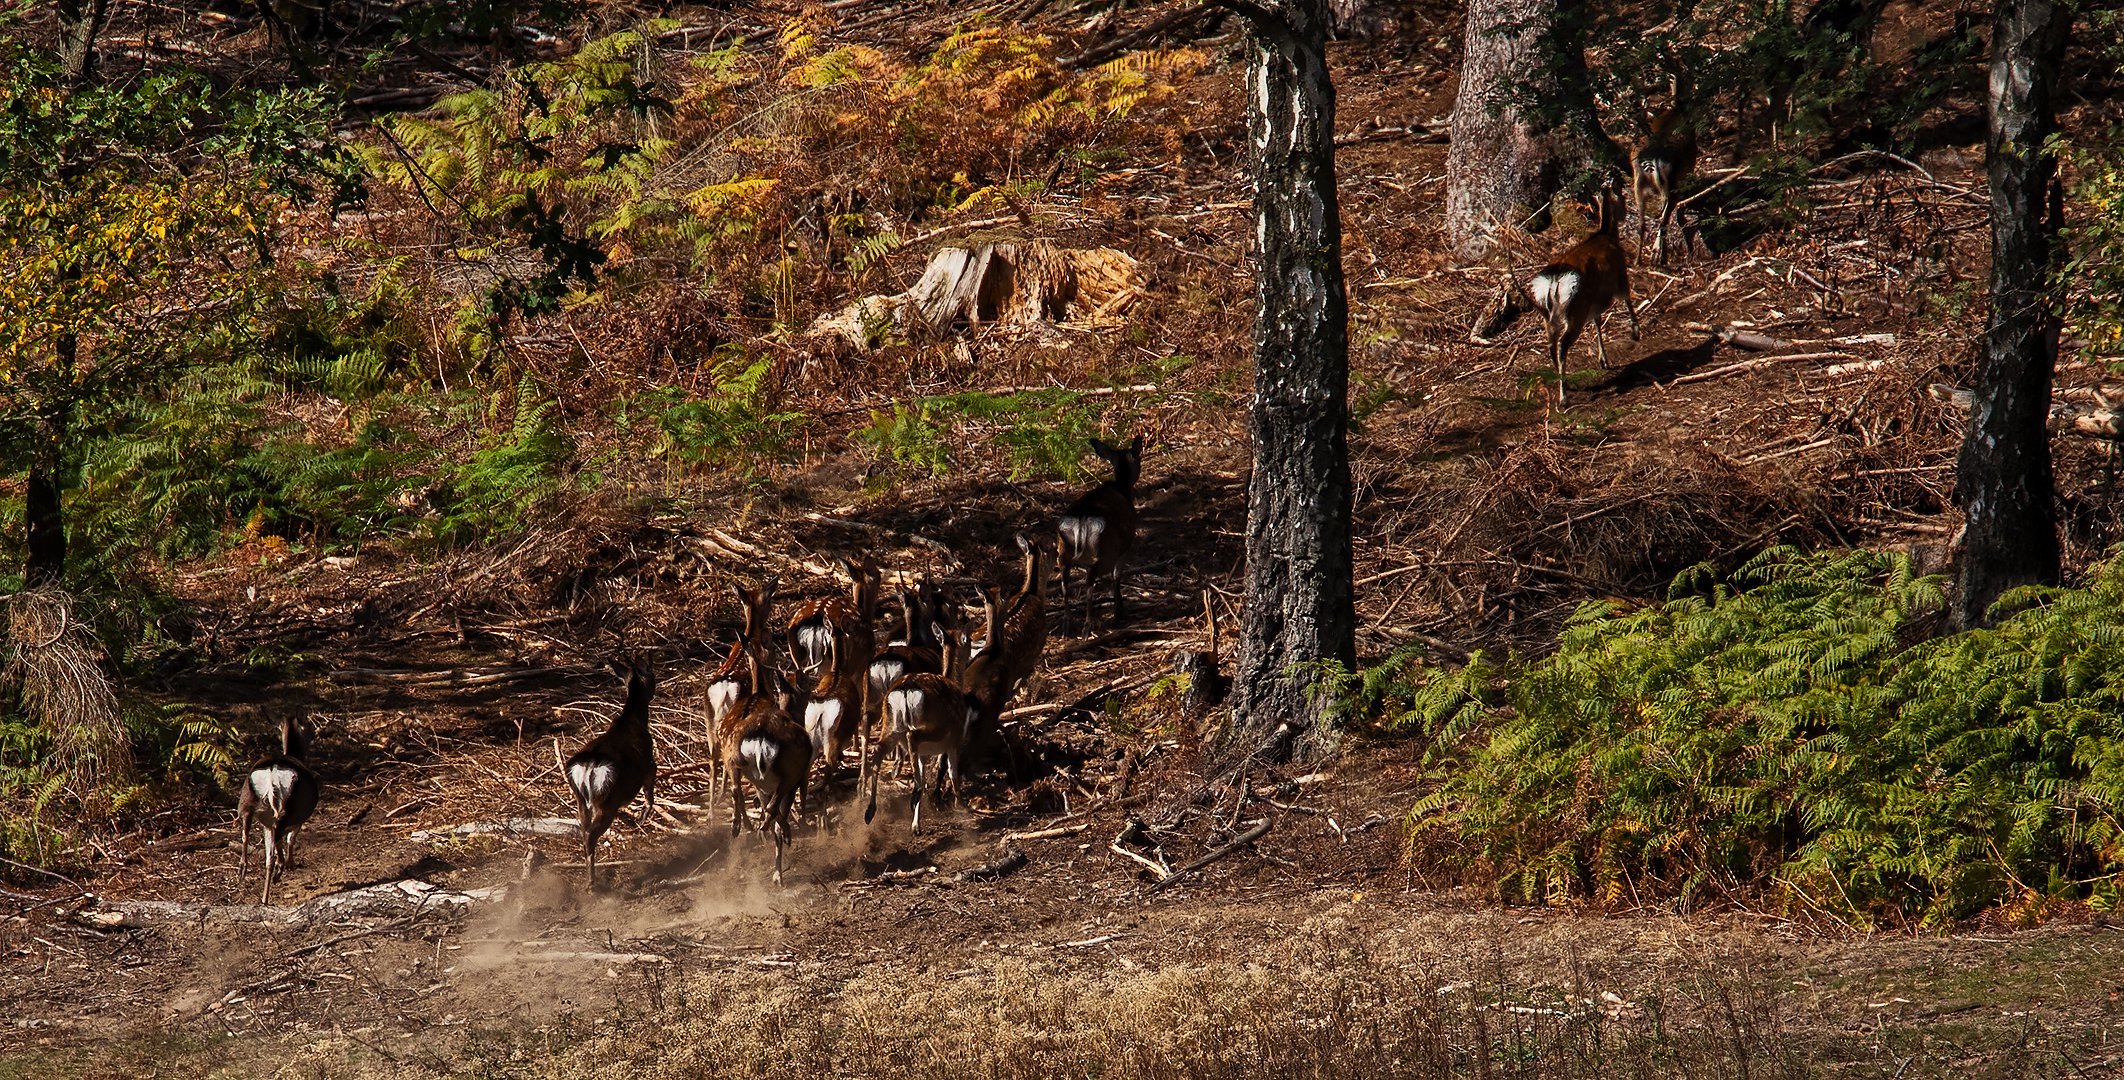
{"points": [[449, 688]]}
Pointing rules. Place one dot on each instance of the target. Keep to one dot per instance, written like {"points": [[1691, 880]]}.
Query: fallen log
{"points": [[392, 899], [515, 826]]}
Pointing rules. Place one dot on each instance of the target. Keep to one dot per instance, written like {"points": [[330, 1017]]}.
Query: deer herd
{"points": [[778, 738], [933, 690]]}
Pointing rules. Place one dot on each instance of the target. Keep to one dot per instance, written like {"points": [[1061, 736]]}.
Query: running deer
{"points": [[1016, 634], [610, 770], [1097, 530], [731, 680], [1581, 284], [770, 752], [935, 713], [907, 654], [279, 793], [1663, 163], [833, 715], [848, 622], [1025, 619]]}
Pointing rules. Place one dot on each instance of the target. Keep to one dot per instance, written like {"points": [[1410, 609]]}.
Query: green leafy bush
{"points": [[1782, 732], [1042, 432], [740, 424]]}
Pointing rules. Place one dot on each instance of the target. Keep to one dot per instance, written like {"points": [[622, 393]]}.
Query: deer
{"points": [[1016, 634], [1662, 163], [1581, 284], [907, 654], [610, 770], [732, 680], [1024, 626], [935, 715], [771, 752], [279, 793], [834, 715], [833, 619], [1097, 530]]}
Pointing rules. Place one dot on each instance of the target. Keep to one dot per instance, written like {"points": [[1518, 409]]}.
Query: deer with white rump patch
{"points": [[771, 753], [610, 770], [1581, 284], [280, 794], [934, 715], [1097, 530]]}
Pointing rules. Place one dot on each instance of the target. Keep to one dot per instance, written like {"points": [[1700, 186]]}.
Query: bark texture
{"points": [[1508, 157], [1298, 604], [2003, 477], [80, 21]]}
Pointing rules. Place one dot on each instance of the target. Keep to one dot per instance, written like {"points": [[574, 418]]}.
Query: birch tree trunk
{"points": [[1298, 603], [2003, 477]]}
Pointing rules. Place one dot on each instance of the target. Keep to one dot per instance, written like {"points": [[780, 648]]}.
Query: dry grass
{"points": [[55, 661]]}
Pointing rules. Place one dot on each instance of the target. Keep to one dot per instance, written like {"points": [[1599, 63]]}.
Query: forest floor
{"points": [[450, 689]]}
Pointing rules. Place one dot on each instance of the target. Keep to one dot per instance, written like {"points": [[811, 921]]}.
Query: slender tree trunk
{"points": [[1298, 604], [44, 562], [2003, 478], [1524, 121]]}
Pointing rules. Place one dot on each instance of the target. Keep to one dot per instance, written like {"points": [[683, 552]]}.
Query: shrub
{"points": [[1777, 732]]}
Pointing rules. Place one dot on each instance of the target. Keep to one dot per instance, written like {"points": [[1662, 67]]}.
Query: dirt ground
{"points": [[448, 692]]}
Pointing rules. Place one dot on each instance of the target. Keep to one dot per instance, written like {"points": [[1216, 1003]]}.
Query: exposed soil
{"points": [[448, 692]]}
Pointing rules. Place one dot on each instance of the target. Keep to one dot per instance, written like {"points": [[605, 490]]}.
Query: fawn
{"points": [[1097, 530], [280, 794], [609, 771], [1581, 284]]}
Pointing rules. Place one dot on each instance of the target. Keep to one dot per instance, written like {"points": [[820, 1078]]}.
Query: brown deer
{"points": [[731, 680], [1581, 284], [280, 794], [819, 623], [1016, 634], [609, 771], [833, 716], [1097, 530], [908, 653], [1663, 164], [770, 752], [934, 714]]}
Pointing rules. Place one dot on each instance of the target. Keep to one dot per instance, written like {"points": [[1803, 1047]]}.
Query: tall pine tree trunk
{"points": [[1507, 160], [1298, 603], [2003, 478]]}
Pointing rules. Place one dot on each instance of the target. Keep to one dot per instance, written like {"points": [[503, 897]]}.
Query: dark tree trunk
{"points": [[44, 561], [80, 21], [1510, 156], [2003, 478], [1298, 605]]}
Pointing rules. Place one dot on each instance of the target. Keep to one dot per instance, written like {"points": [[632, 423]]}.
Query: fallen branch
{"points": [[1008, 863], [1045, 834], [1758, 362], [1248, 837]]}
